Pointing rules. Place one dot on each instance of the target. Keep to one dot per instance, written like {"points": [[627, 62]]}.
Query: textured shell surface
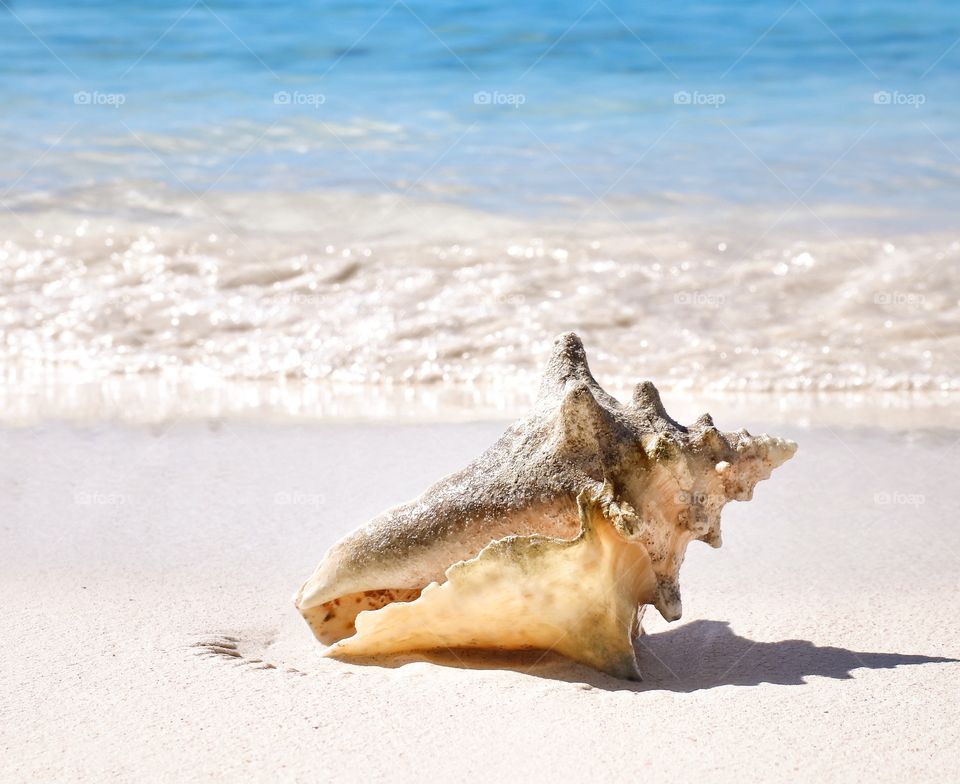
{"points": [[555, 537]]}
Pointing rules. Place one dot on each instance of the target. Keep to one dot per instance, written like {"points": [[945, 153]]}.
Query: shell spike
{"points": [[667, 598], [713, 538], [583, 421], [711, 438], [647, 397], [568, 360], [702, 422], [647, 403]]}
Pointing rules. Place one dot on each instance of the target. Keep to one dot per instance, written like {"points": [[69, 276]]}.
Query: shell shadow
{"points": [[706, 654], [698, 655]]}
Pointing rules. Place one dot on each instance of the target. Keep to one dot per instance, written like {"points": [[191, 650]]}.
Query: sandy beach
{"points": [[268, 270], [148, 632]]}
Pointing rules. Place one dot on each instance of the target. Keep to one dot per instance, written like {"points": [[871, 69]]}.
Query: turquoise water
{"points": [[652, 107]]}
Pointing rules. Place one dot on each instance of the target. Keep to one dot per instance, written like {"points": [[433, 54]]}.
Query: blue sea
{"points": [[443, 185], [501, 104]]}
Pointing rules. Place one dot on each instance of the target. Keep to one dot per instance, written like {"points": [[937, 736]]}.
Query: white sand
{"points": [[807, 649]]}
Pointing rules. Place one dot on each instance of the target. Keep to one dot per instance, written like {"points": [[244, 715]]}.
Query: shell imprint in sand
{"points": [[554, 538]]}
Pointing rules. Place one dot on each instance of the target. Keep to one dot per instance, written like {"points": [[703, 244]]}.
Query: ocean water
{"points": [[750, 197]]}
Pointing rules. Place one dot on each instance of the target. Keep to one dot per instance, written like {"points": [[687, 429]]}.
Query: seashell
{"points": [[554, 538]]}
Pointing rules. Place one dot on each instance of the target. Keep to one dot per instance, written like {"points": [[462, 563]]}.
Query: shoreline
{"points": [[30, 399]]}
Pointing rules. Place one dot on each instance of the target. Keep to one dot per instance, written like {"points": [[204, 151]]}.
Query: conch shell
{"points": [[554, 538]]}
